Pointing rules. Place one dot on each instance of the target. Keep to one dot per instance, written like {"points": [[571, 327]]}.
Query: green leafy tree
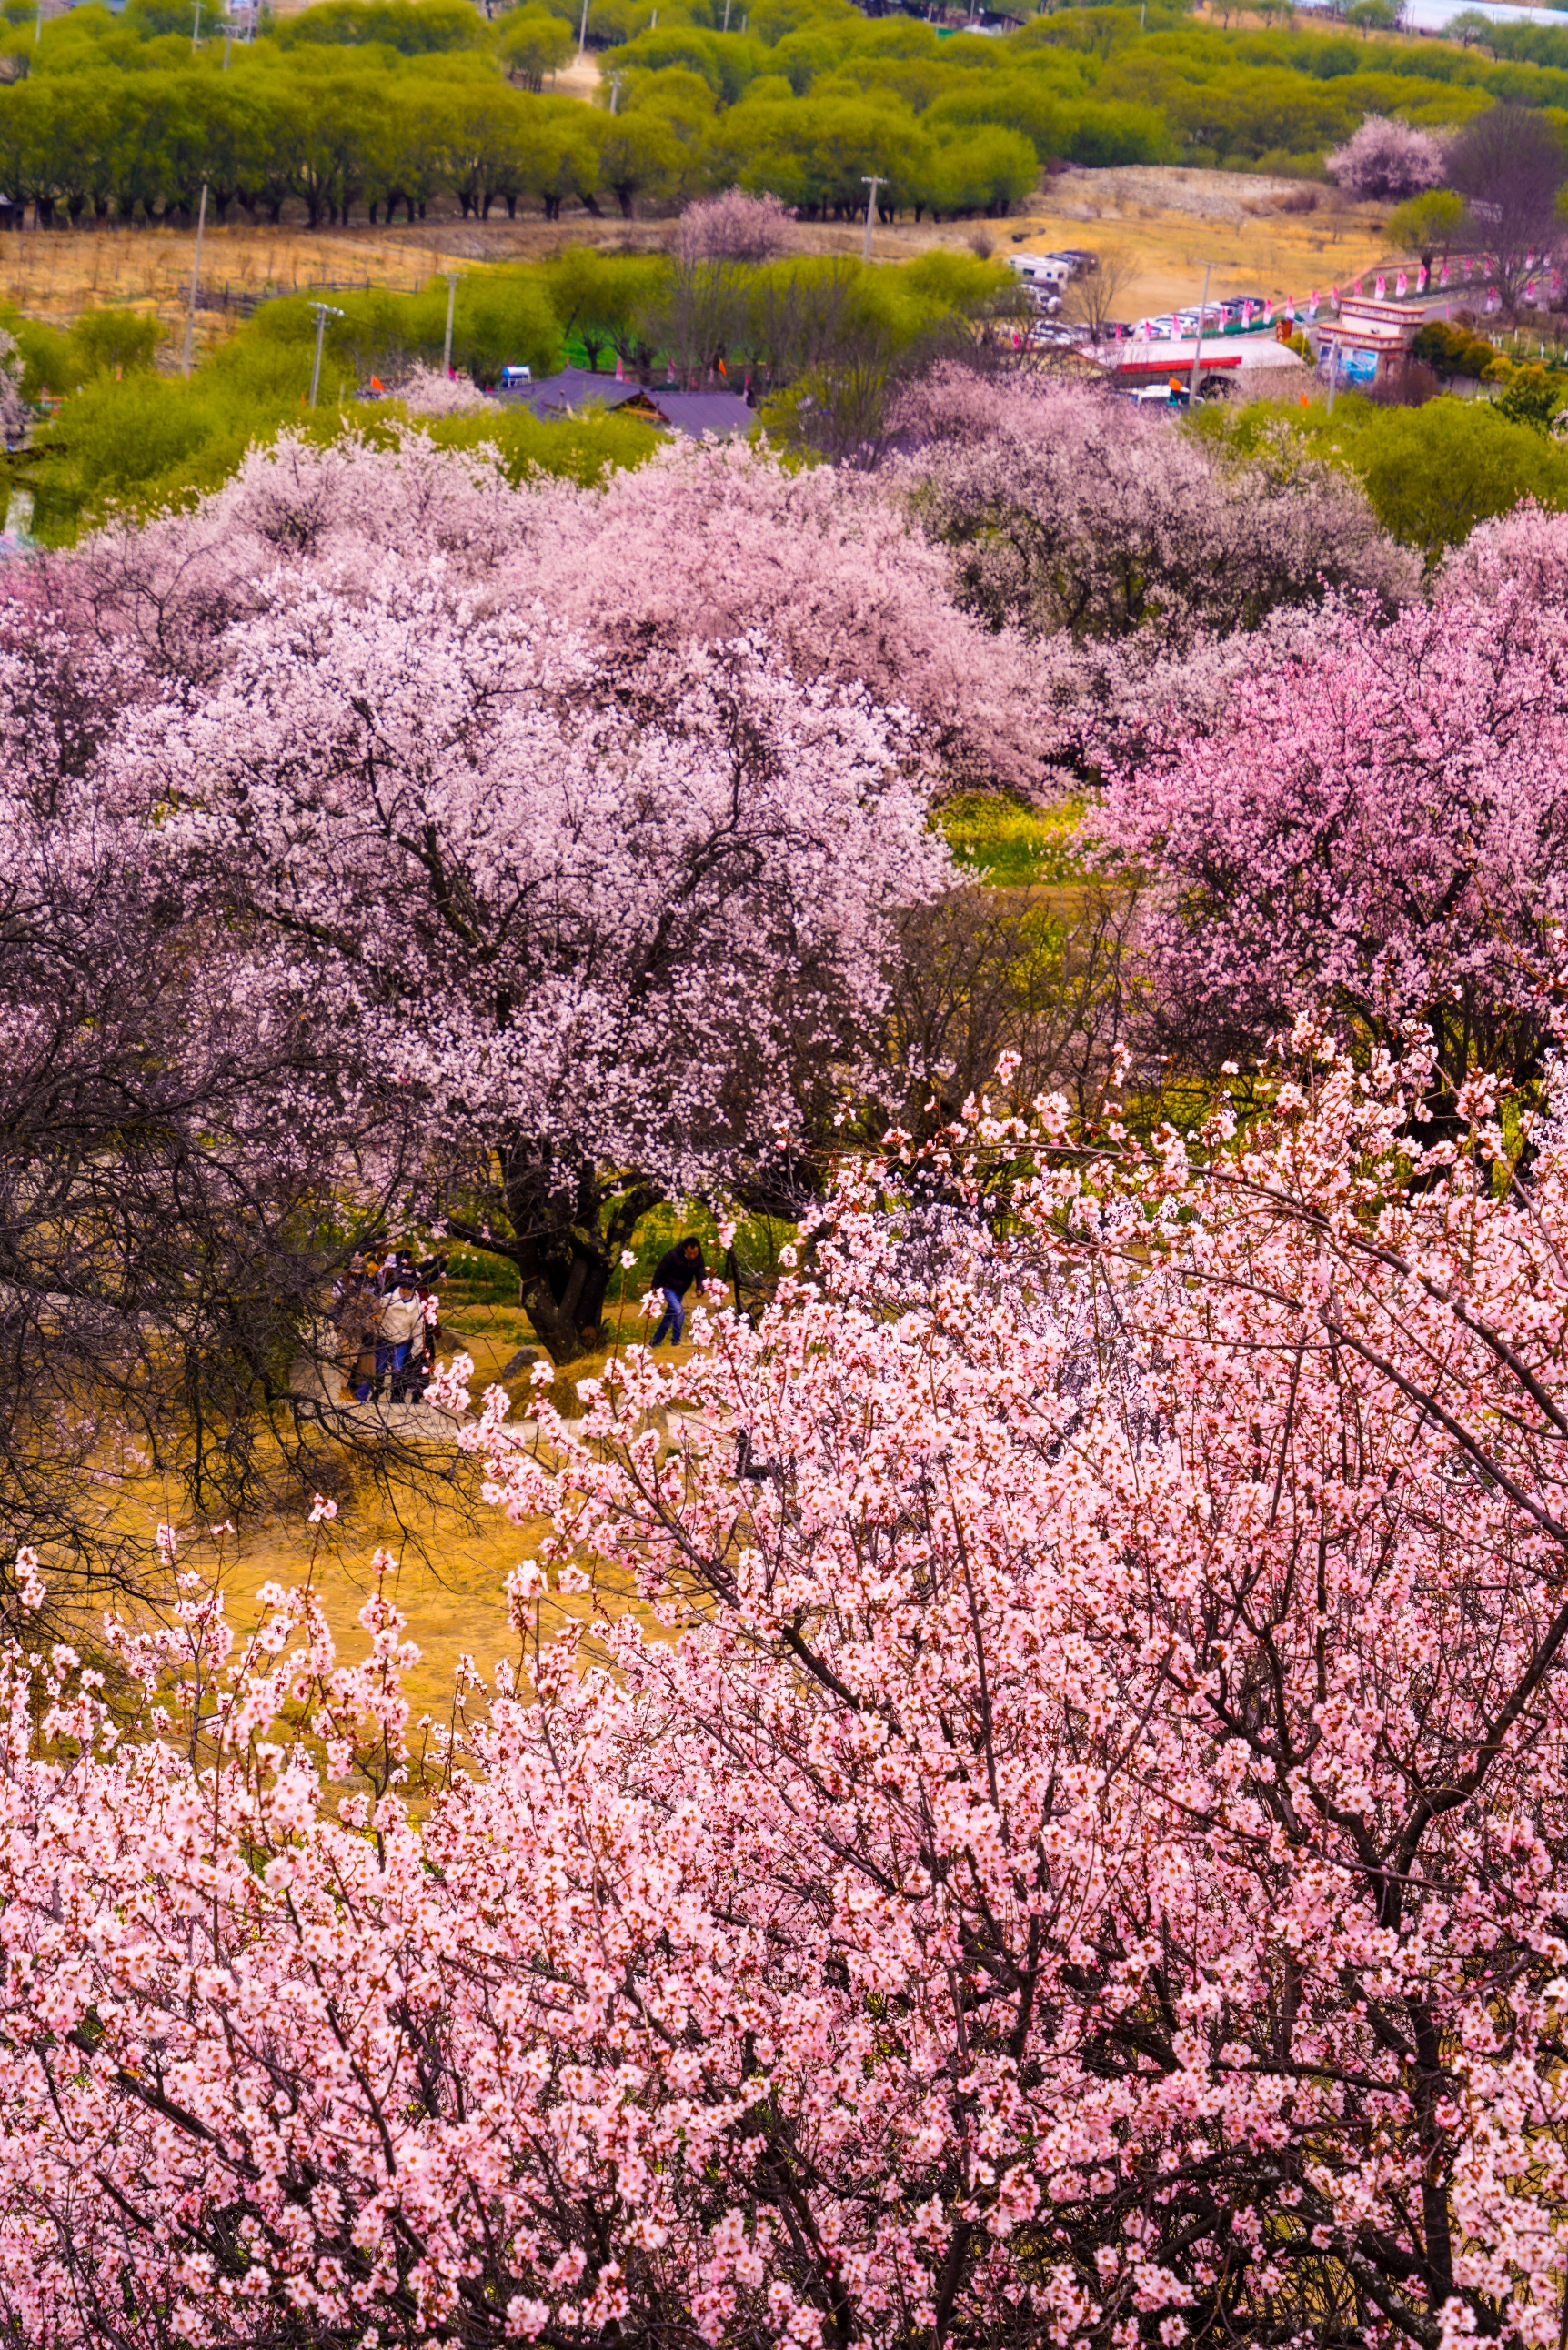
{"points": [[1433, 473], [1429, 225], [112, 341], [531, 43], [1531, 396], [413, 28], [51, 362], [412, 159], [639, 155], [772, 20], [504, 318], [486, 153], [600, 298], [340, 130], [1023, 102], [31, 150], [985, 172], [678, 97], [1452, 350], [274, 172]]}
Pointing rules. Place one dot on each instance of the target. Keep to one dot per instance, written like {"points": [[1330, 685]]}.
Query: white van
{"points": [[1041, 270]]}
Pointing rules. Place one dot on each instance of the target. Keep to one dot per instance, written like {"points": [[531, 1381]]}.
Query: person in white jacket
{"points": [[400, 1342]]}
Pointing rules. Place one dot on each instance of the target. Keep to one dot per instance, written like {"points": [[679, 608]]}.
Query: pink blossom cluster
{"points": [[704, 542], [1070, 515], [426, 391], [1076, 1858], [734, 226], [1386, 160], [614, 905], [1367, 815]]}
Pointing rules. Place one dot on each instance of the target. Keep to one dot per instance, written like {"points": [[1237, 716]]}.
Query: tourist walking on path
{"points": [[356, 1311], [677, 1269], [400, 1340]]}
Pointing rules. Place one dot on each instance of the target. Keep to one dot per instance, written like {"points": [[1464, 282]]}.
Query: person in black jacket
{"points": [[677, 1269]]}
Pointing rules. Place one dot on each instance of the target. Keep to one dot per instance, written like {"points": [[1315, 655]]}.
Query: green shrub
{"points": [[1452, 350], [103, 340], [1533, 395]]}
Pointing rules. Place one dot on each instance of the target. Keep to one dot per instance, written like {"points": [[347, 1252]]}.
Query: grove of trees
{"points": [[373, 108]]}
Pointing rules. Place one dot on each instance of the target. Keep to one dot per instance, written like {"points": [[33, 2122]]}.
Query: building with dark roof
{"points": [[574, 389]]}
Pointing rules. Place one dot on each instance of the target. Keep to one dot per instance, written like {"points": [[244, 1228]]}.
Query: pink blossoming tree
{"points": [[1086, 1868], [616, 924], [1372, 816], [585, 814], [174, 1142], [1066, 511], [1385, 160]]}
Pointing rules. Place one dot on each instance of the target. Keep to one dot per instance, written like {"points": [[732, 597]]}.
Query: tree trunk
{"points": [[568, 1228]]}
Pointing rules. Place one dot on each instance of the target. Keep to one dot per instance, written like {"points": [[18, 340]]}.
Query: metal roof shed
{"points": [[696, 412]]}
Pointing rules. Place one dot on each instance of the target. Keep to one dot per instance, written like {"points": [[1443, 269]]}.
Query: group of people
{"points": [[386, 1317]]}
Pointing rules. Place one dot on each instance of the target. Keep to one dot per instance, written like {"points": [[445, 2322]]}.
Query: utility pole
{"points": [[228, 42], [583, 35], [1333, 370], [873, 180], [726, 16], [615, 82], [452, 277], [195, 282], [1198, 346], [196, 29], [324, 311], [38, 25]]}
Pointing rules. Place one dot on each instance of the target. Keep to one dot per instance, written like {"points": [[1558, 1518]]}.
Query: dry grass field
{"points": [[451, 1560], [56, 274], [1169, 224]]}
